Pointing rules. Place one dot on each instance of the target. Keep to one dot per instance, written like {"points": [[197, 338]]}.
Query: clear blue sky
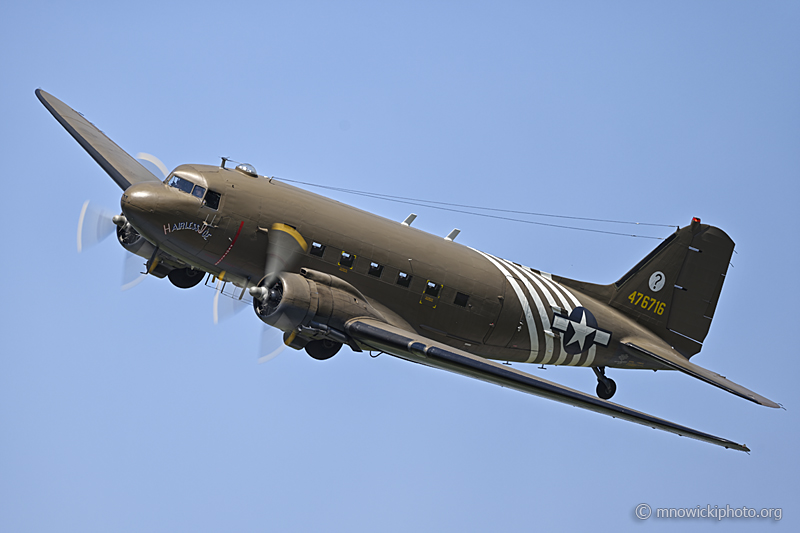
{"points": [[130, 411]]}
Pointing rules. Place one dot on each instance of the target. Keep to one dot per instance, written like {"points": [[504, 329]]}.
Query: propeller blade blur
{"points": [[94, 225], [284, 243], [153, 164], [272, 344], [226, 305], [132, 271]]}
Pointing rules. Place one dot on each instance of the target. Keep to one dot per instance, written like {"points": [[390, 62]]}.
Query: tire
{"points": [[323, 349]]}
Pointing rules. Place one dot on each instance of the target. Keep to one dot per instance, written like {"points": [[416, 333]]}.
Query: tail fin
{"points": [[674, 290]]}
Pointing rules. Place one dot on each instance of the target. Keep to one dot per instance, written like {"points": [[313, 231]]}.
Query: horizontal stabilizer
{"points": [[373, 334], [676, 362], [121, 166]]}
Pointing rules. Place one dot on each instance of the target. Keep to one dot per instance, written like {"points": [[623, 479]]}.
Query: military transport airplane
{"points": [[329, 275]]}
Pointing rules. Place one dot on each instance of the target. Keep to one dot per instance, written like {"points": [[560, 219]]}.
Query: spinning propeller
{"points": [[285, 245], [96, 223]]}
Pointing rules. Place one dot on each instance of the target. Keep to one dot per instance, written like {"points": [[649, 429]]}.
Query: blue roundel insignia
{"points": [[580, 331]]}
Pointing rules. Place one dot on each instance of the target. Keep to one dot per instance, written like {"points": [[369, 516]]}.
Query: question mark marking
{"points": [[657, 280]]}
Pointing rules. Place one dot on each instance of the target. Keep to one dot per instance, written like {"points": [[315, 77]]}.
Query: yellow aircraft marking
{"points": [[648, 304], [293, 232]]}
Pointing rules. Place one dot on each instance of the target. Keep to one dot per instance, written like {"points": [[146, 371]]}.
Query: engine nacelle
{"points": [[132, 241], [315, 304]]}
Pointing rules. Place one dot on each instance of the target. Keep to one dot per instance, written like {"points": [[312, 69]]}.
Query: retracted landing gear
{"points": [[605, 386]]}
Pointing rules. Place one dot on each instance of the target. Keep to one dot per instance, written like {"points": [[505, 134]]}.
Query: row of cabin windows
{"points": [[347, 260]]}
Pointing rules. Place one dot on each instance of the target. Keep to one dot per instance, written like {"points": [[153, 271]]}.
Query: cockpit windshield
{"points": [[182, 184]]}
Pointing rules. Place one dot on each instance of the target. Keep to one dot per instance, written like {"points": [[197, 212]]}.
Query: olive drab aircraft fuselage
{"points": [[328, 275]]}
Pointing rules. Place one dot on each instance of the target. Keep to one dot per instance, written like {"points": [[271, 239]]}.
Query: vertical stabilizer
{"points": [[674, 290]]}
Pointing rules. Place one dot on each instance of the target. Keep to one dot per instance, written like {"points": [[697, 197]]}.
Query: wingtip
{"points": [[760, 400]]}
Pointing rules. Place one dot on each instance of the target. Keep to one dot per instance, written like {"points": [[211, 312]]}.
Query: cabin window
{"points": [[198, 191], [375, 269], [403, 279], [317, 249], [347, 259], [212, 199], [461, 299], [432, 289]]}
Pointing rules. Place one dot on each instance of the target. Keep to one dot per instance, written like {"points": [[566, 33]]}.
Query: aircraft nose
{"points": [[140, 206], [142, 197]]}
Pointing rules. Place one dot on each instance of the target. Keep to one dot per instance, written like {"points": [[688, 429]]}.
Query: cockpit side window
{"points": [[198, 191], [212, 199]]}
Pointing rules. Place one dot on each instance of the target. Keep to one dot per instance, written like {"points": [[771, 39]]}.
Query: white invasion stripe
{"points": [[547, 278], [593, 348], [529, 274], [567, 292], [548, 341], [561, 290], [523, 302], [563, 356], [565, 304], [567, 307], [590, 357]]}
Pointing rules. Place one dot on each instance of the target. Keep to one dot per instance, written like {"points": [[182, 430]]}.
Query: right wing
{"points": [[377, 335], [123, 169]]}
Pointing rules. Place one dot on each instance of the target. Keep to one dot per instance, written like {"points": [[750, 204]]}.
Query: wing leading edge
{"points": [[123, 169], [413, 347]]}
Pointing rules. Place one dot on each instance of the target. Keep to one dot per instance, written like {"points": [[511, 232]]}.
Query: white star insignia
{"points": [[581, 331]]}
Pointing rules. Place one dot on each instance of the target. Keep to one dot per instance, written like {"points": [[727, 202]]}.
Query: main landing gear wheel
{"points": [[606, 390], [185, 278], [323, 349], [605, 386]]}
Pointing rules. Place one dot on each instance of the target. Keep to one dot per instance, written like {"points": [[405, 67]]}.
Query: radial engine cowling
{"points": [[314, 303], [131, 240]]}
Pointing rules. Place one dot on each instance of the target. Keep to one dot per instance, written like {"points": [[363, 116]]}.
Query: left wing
{"points": [[121, 166], [377, 335]]}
